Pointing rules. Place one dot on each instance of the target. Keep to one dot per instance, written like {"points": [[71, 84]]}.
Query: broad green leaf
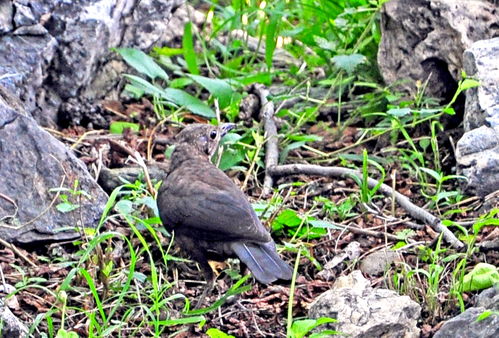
{"points": [[468, 83], [449, 111], [124, 207], [220, 89], [118, 127], [231, 157], [216, 333], [190, 102], [325, 43], [66, 207], [288, 217], [180, 82], [189, 52], [61, 333], [399, 112], [482, 276], [348, 62], [300, 328], [144, 85], [142, 62], [436, 175]]}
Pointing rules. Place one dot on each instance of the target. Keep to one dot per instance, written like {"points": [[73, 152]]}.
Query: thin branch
{"points": [[403, 201], [271, 147]]}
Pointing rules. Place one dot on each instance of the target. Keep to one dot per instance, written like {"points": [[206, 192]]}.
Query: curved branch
{"points": [[403, 201]]}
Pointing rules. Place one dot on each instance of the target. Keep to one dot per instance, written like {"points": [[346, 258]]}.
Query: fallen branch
{"points": [[271, 147], [403, 201], [110, 179]]}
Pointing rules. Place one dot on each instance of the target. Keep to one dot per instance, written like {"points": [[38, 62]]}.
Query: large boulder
{"points": [[53, 50], [467, 325], [425, 39], [477, 152], [41, 181], [362, 311]]}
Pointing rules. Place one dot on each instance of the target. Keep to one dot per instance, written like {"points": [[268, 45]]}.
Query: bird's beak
{"points": [[225, 128]]}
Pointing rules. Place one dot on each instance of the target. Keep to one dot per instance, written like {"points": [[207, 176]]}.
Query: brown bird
{"points": [[209, 214]]}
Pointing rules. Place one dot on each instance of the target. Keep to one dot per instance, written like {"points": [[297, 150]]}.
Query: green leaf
{"points": [[484, 315], [118, 127], [482, 276], [264, 78], [143, 85], [449, 111], [300, 328], [180, 82], [468, 83], [220, 89], [190, 102], [189, 52], [66, 207], [288, 217], [270, 39], [61, 333], [142, 62], [284, 153], [167, 51], [348, 62], [182, 321], [325, 43], [317, 223], [216, 333], [231, 157], [306, 138], [399, 112], [124, 207]]}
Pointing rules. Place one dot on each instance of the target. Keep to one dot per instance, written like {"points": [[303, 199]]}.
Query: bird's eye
{"points": [[213, 134]]}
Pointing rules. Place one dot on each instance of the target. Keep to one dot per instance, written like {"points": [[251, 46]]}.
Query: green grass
{"points": [[125, 283]]}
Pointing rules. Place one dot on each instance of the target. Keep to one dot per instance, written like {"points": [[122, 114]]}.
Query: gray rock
{"points": [[23, 16], [477, 157], [32, 162], [377, 262], [10, 324], [465, 325], [60, 49], [482, 103], [365, 312], [477, 152], [24, 61], [423, 37], [6, 16]]}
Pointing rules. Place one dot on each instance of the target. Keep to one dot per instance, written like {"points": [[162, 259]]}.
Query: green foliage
{"points": [[67, 205], [216, 333], [290, 223], [482, 276], [118, 127], [143, 63], [302, 328]]}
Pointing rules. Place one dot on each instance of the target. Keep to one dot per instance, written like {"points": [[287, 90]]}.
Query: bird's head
{"points": [[204, 138]]}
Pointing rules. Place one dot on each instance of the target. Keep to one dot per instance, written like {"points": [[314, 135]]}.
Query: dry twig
{"points": [[271, 147], [411, 208]]}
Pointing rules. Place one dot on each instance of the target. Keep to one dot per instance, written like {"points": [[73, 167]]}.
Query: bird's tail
{"points": [[263, 261]]}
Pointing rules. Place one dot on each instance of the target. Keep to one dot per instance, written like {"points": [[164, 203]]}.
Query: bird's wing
{"points": [[201, 198]]}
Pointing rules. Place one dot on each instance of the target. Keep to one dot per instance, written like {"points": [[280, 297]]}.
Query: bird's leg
{"points": [[207, 289], [210, 281]]}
